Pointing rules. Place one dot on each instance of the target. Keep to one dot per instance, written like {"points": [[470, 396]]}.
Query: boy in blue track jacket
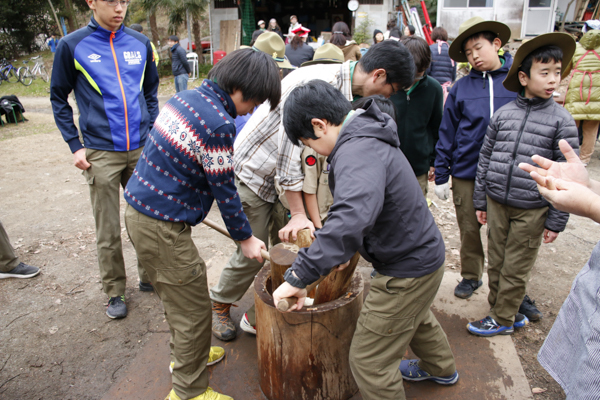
{"points": [[112, 71], [467, 112], [378, 210]]}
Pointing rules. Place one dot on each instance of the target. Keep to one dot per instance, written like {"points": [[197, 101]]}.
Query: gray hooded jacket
{"points": [[516, 132], [378, 207]]}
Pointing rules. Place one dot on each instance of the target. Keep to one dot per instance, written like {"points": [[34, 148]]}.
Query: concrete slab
{"points": [[489, 367]]}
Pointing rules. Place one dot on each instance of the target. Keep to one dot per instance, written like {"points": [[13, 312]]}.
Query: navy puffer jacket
{"points": [[519, 130], [442, 67]]}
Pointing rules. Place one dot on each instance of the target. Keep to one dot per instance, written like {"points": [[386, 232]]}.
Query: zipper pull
{"points": [[484, 73], [408, 97]]}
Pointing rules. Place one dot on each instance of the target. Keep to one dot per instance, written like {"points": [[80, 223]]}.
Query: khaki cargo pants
{"points": [[168, 254], [397, 314], [514, 239], [239, 272], [109, 170], [8, 258], [472, 256]]}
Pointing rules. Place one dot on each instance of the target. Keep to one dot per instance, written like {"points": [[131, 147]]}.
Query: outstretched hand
{"points": [[571, 171]]}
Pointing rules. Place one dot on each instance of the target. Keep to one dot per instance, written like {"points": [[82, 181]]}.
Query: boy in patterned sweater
{"points": [[187, 164]]}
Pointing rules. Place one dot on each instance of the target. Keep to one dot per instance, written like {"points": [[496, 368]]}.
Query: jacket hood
{"points": [[368, 122], [502, 70], [591, 39]]}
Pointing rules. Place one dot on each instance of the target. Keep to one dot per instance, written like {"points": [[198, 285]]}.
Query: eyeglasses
{"points": [[113, 3]]}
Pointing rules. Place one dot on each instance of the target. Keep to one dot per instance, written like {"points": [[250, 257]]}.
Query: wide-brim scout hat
{"points": [[562, 40], [272, 44], [472, 26], [326, 54], [301, 31]]}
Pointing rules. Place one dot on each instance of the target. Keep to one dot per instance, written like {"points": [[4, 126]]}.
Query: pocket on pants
{"points": [[88, 175], [535, 243], [179, 276], [457, 200], [184, 249], [144, 239], [387, 326]]}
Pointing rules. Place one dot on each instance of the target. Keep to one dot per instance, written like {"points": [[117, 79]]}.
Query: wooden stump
{"points": [[337, 282], [303, 238], [304, 355]]}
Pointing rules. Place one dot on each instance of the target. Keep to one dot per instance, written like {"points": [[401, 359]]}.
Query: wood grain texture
{"points": [[304, 355], [283, 256], [336, 283]]}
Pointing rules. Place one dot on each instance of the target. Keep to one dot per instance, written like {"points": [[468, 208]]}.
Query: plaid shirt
{"points": [[263, 152]]}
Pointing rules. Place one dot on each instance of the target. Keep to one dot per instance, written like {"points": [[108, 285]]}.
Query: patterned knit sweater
{"points": [[187, 162]]}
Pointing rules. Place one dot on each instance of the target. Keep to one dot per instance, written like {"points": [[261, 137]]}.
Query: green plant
{"points": [[363, 32]]}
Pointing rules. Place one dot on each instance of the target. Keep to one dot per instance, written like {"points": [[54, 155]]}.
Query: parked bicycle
{"points": [[8, 72], [26, 75]]}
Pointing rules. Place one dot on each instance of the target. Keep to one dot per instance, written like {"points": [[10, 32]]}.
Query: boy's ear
{"points": [[523, 78], [380, 72], [319, 125], [497, 43]]}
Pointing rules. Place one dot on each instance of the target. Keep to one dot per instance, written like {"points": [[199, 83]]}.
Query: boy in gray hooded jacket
{"points": [[507, 197], [380, 211]]}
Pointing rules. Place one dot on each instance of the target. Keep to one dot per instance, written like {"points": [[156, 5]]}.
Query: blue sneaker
{"points": [[520, 321], [412, 372], [488, 327]]}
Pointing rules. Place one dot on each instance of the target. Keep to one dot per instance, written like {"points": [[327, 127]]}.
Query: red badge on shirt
{"points": [[310, 160]]}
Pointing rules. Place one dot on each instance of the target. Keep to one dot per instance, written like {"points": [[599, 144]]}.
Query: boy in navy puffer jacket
{"points": [[506, 196], [467, 112]]}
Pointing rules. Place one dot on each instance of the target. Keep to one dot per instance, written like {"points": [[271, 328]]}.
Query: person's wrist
{"points": [[293, 280]]}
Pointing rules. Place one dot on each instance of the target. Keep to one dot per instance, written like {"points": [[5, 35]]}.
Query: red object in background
{"points": [[427, 27], [587, 15], [205, 44], [218, 56]]}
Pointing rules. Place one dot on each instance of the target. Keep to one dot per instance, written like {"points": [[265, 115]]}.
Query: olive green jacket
{"points": [[583, 96]]}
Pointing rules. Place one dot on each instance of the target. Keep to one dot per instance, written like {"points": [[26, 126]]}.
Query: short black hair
{"points": [[136, 27], [391, 23], [253, 72], [394, 58], [395, 32], [487, 35], [411, 29], [174, 38], [420, 51], [385, 105], [314, 99], [543, 55]]}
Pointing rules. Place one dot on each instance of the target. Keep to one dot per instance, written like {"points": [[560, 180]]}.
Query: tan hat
{"points": [[472, 26], [562, 40], [272, 44], [326, 54]]}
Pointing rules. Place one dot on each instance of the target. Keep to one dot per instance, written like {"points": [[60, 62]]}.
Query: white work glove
{"points": [[442, 191]]}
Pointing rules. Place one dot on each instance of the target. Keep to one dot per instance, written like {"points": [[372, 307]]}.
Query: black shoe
{"points": [[146, 287], [21, 271], [529, 309], [116, 307], [466, 287]]}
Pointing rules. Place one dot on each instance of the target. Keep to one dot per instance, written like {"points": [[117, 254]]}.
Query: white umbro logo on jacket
{"points": [[94, 57]]}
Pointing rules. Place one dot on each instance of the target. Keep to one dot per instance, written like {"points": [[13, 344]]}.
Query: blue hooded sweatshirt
{"points": [[470, 105]]}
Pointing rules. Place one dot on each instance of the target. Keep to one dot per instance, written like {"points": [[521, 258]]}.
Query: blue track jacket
{"points": [[115, 82], [467, 112]]}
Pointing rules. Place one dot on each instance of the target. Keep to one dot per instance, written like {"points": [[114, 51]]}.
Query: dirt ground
{"points": [[56, 341]]}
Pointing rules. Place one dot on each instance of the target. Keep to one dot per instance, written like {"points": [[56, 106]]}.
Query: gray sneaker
{"points": [[21, 271], [222, 325], [116, 307]]}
